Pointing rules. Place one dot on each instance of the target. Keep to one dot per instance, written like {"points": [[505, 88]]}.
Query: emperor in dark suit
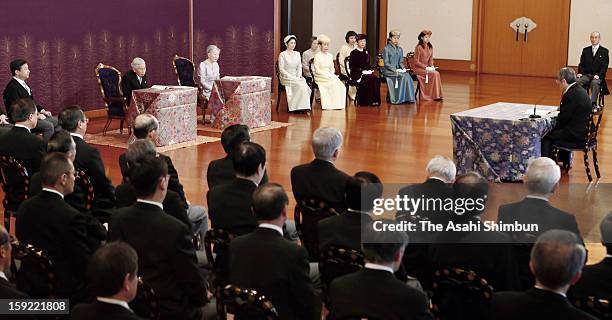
{"points": [[134, 79], [593, 67]]}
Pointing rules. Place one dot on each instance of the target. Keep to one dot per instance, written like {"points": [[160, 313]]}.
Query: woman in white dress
{"points": [[209, 69], [290, 76], [333, 92]]}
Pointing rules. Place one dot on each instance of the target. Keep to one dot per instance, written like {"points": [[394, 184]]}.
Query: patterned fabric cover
{"points": [[241, 100], [173, 106], [497, 140]]}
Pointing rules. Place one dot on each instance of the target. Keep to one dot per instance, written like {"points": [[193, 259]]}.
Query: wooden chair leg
{"points": [[596, 164], [121, 126], [278, 99], [108, 122], [586, 165]]}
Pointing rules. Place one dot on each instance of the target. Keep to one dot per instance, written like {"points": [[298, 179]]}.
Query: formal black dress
{"points": [[221, 171], [129, 82], [102, 311], [268, 263], [229, 206], [368, 89], [320, 180], [596, 281], [166, 258]]}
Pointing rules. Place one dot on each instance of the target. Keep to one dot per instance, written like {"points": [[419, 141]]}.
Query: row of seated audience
{"points": [[167, 260]]}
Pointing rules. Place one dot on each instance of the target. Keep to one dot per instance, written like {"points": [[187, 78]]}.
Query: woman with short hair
{"points": [[209, 69], [333, 92], [368, 89]]}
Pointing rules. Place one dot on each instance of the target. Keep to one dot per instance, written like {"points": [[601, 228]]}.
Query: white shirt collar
{"points": [[375, 266], [595, 47], [571, 84], [3, 276], [114, 301], [23, 84], [53, 191], [155, 203], [22, 126], [436, 178], [271, 226], [536, 197], [545, 289], [74, 134], [608, 255]]}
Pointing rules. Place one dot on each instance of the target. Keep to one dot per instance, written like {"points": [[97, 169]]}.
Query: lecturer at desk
{"points": [[573, 118], [134, 79]]}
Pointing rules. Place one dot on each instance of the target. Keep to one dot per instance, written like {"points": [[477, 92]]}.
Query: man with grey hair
{"points": [[596, 279], [593, 66], [134, 79], [556, 262], [320, 179], [571, 125], [7, 290]]}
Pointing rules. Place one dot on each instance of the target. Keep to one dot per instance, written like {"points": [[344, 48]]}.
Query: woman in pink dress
{"points": [[428, 76]]}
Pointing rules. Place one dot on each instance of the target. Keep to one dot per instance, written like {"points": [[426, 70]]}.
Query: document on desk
{"points": [[538, 112]]}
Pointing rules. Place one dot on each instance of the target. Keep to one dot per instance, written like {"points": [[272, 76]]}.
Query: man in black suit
{"points": [[17, 89], [573, 118], [320, 179], [7, 290], [221, 171], [556, 262], [134, 79], [73, 120], [593, 66], [596, 279], [167, 260], [488, 253], [19, 142], [112, 277], [47, 222], [374, 292], [266, 262]]}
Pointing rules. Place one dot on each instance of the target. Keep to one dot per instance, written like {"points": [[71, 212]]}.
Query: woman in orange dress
{"points": [[429, 78]]}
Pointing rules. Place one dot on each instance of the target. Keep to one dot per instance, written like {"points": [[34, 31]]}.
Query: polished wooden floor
{"points": [[397, 141]]}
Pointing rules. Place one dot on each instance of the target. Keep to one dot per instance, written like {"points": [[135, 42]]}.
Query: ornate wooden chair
{"points": [[460, 294], [313, 83], [146, 302], [244, 304], [185, 74], [410, 57], [217, 241], [344, 78], [308, 213], [281, 88], [336, 261], [350, 82], [597, 307], [109, 79], [33, 272], [15, 183]]}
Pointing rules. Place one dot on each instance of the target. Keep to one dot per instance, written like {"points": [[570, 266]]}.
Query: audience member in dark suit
{"points": [[374, 292], [167, 260], [19, 142], [573, 118], [320, 179], [221, 171], [593, 66], [73, 120], [112, 277], [596, 279], [134, 79], [556, 262], [145, 127], [7, 290], [17, 89], [488, 253], [265, 261], [47, 222]]}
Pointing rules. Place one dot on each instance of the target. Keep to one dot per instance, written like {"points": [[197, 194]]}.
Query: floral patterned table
{"points": [[498, 140], [241, 100], [173, 106]]}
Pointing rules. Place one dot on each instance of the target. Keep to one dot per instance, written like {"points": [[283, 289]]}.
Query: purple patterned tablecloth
{"points": [[498, 140], [173, 106], [241, 100]]}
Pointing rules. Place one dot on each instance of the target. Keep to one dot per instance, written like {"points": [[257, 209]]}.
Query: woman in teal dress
{"points": [[399, 81]]}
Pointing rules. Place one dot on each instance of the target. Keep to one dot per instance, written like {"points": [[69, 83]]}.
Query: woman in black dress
{"points": [[368, 84]]}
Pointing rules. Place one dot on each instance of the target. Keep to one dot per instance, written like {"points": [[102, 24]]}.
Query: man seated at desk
{"points": [[134, 79], [573, 118]]}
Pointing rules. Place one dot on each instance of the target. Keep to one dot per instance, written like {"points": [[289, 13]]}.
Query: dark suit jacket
{"points": [[430, 189], [8, 291], [221, 171], [594, 64], [229, 206], [23, 146], [166, 258], [596, 281], [173, 204], [320, 180], [101, 311], [88, 158], [573, 118], [129, 82], [13, 92], [376, 294], [534, 304], [47, 222], [264, 261], [342, 230]]}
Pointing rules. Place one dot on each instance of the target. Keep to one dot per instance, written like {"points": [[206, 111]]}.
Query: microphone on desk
{"points": [[534, 115]]}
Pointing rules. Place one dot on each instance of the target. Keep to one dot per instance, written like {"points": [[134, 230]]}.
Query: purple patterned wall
{"points": [[63, 41], [243, 29]]}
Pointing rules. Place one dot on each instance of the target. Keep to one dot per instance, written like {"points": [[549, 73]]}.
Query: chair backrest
{"points": [[593, 127], [33, 271], [277, 70], [597, 307], [307, 214], [310, 68], [347, 61], [109, 79], [336, 261], [460, 294], [185, 71], [15, 182], [146, 302], [244, 304], [83, 182]]}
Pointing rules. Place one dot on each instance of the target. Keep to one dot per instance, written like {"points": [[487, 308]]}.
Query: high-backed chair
{"points": [[33, 272], [313, 83], [185, 74], [281, 88], [337, 261], [598, 307], [351, 82], [15, 182], [342, 77], [109, 79], [244, 304], [217, 241], [146, 302], [410, 57], [307, 214], [460, 294]]}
